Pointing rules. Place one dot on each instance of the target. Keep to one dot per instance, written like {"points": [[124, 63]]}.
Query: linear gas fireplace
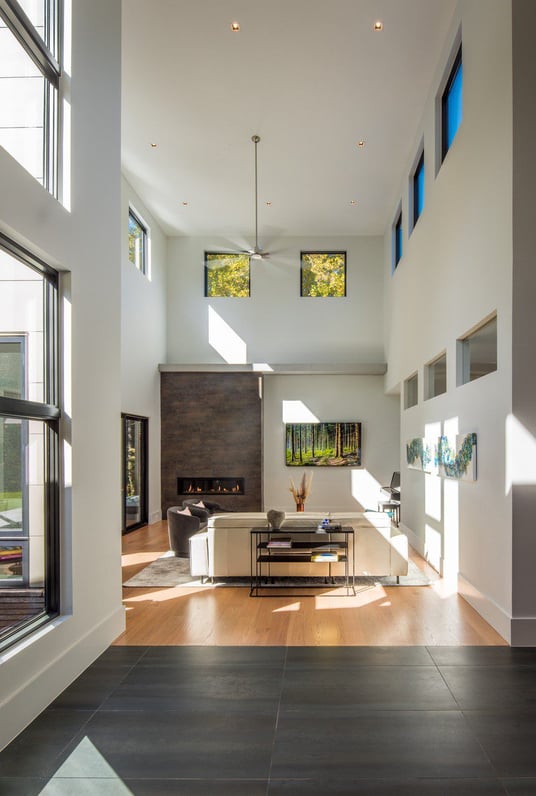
{"points": [[210, 486]]}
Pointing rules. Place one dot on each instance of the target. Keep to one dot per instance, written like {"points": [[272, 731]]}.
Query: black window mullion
{"points": [[52, 519], [21, 27], [27, 410]]}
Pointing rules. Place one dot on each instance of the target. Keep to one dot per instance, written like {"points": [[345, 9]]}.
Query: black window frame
{"points": [[144, 458], [416, 192], [47, 411], [144, 266], [398, 242], [457, 63], [207, 269], [49, 62], [331, 252]]}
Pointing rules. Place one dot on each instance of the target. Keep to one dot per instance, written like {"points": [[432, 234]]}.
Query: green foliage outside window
{"points": [[136, 242], [323, 274], [227, 275]]}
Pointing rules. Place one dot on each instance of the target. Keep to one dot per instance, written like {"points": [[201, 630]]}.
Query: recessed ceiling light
{"points": [[353, 201], [153, 145], [185, 204], [268, 204], [361, 144], [235, 27], [378, 25]]}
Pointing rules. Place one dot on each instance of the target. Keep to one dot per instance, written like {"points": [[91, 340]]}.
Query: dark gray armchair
{"points": [[210, 505], [182, 526]]}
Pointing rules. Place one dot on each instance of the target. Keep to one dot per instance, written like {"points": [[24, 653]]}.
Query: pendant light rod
{"points": [[256, 139]]}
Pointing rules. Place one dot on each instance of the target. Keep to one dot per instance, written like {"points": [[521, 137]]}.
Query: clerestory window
{"points": [[30, 71]]}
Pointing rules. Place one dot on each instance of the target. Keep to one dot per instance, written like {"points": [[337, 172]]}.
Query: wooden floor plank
{"points": [[377, 615]]}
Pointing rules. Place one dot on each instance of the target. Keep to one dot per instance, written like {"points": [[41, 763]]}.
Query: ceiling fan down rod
{"points": [[256, 139]]}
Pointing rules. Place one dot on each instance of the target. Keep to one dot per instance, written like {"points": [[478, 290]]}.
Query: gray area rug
{"points": [[169, 571]]}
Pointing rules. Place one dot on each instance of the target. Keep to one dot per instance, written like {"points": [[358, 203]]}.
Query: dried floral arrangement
{"points": [[301, 492]]}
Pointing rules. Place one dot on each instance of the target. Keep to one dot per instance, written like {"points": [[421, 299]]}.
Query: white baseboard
{"points": [[496, 616], [418, 544], [519, 632], [32, 692], [155, 516]]}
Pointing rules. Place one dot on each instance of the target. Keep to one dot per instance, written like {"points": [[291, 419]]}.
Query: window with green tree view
{"points": [[137, 241], [227, 275], [323, 274]]}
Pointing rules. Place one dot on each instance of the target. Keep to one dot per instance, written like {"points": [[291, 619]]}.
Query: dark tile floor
{"points": [[277, 721]]}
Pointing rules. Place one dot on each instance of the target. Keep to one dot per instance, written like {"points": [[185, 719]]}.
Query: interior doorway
{"points": [[135, 481]]}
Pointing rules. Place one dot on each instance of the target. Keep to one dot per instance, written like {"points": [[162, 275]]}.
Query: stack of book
{"points": [[281, 542], [319, 557]]}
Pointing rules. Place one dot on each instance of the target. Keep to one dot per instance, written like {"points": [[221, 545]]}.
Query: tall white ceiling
{"points": [[311, 77]]}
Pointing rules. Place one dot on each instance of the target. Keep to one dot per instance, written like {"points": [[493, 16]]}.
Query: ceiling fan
{"points": [[256, 253]]}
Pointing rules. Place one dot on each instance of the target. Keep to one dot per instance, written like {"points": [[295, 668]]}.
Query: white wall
{"points": [[275, 324], [330, 398], [456, 269], [85, 242], [143, 335]]}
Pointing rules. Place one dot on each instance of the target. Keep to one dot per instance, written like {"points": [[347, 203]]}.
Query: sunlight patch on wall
{"points": [[451, 529], [298, 412], [366, 489], [520, 454], [67, 464], [66, 320], [66, 156], [432, 546], [432, 496], [225, 340], [432, 484]]}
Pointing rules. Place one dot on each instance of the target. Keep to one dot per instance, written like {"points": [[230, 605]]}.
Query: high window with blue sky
{"points": [[418, 189], [452, 104]]}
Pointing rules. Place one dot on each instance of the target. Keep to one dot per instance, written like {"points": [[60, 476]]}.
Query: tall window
{"points": [[418, 189], [397, 240], [323, 274], [451, 105], [227, 275], [137, 242], [29, 81], [29, 449]]}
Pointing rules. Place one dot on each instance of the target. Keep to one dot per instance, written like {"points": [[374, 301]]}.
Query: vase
{"points": [[275, 518], [300, 506]]}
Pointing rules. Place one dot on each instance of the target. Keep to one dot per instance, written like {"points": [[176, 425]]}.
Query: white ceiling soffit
{"points": [[311, 77]]}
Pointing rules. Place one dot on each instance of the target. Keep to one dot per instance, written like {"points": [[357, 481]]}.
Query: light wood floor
{"points": [[404, 615]]}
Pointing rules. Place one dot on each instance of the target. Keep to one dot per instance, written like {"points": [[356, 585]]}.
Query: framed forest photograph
{"points": [[323, 444]]}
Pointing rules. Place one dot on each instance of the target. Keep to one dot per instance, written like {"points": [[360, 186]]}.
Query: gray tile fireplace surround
{"points": [[261, 721]]}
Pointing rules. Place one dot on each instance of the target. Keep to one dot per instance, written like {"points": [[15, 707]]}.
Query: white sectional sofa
{"points": [[223, 548]]}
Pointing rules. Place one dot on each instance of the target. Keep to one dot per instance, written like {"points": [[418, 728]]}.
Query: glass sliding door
{"points": [[134, 472], [29, 443]]}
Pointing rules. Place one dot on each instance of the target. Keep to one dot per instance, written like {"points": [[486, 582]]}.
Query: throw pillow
{"points": [[185, 511], [200, 505]]}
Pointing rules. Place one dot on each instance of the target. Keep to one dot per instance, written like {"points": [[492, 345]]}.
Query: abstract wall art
{"points": [[458, 462], [420, 454]]}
